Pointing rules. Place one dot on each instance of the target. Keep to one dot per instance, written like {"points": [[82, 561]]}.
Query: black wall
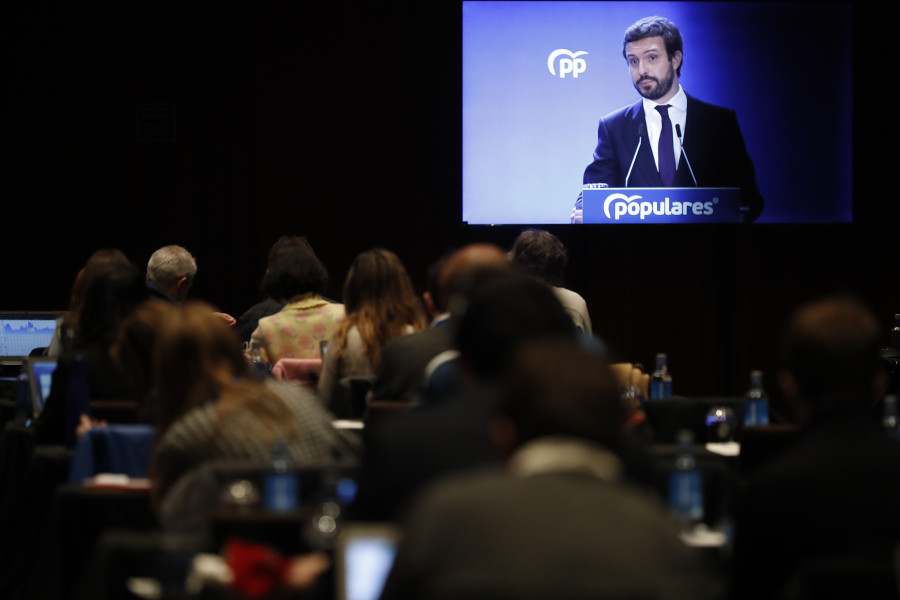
{"points": [[342, 122]]}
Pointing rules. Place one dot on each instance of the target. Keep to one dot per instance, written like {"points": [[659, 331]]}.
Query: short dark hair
{"points": [[540, 254], [504, 310], [294, 269], [657, 26], [832, 349], [559, 388]]}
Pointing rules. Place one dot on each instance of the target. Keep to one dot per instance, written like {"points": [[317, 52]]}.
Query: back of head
{"points": [[136, 339], [540, 254], [831, 351], [557, 388], [378, 279], [464, 264], [111, 293], [294, 270], [505, 310], [169, 264], [196, 356]]}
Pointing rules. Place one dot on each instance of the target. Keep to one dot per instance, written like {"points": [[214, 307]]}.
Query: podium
{"points": [[661, 205]]}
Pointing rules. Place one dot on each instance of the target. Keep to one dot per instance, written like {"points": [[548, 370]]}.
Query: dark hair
{"points": [[540, 254], [294, 270], [657, 26], [558, 388], [380, 302], [832, 349], [503, 311], [110, 295]]}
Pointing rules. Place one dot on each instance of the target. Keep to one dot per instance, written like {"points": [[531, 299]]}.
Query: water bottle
{"points": [[257, 365], [78, 399], [661, 379], [281, 484], [756, 402], [889, 419], [686, 484]]}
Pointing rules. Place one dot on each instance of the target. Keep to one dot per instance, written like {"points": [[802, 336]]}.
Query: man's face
{"points": [[652, 73]]}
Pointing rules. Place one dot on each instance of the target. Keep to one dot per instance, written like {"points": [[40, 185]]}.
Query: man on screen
{"points": [[668, 138]]}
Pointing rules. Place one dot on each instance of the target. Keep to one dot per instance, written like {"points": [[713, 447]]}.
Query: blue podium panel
{"points": [[662, 205]]}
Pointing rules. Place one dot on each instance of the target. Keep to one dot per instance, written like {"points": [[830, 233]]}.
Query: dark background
{"points": [[342, 122]]}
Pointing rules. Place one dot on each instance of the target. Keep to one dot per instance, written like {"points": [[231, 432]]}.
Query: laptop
{"points": [[40, 375], [23, 332], [364, 554]]}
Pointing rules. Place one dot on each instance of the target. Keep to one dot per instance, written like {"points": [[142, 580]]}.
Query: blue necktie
{"points": [[665, 148]]}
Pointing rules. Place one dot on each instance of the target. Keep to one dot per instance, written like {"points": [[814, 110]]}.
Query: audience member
{"points": [[401, 375], [133, 350], [209, 408], [64, 334], [834, 495], [502, 310], [170, 275], [296, 275], [557, 520], [543, 256], [111, 293], [381, 305], [247, 322]]}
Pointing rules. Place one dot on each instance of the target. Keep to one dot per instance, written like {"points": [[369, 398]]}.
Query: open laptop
{"points": [[364, 554], [40, 375], [23, 332]]}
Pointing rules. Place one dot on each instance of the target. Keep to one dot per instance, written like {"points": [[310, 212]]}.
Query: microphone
{"points": [[684, 154], [642, 130]]}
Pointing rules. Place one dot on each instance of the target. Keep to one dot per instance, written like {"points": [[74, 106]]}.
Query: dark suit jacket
{"points": [[401, 373], [835, 493], [712, 144]]}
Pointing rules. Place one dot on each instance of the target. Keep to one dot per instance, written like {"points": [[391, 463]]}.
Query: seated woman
{"points": [[381, 305], [112, 290], [209, 407], [297, 277]]}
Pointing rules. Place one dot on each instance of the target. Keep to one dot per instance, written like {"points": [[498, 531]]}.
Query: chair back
{"points": [[119, 449], [304, 371], [350, 397]]}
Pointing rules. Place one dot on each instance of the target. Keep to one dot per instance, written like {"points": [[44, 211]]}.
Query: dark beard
{"points": [[662, 87]]}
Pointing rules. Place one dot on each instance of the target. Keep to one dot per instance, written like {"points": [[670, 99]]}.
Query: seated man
{"points": [[557, 521], [836, 492]]}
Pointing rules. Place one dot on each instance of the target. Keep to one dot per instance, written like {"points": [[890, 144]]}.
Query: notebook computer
{"points": [[22, 332], [40, 375], [364, 555]]}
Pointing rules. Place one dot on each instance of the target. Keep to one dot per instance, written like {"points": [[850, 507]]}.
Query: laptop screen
{"points": [[21, 332], [364, 556], [40, 376]]}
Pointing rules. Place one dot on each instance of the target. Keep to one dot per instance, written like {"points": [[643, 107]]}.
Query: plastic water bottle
{"points": [[686, 484], [257, 364], [756, 401], [889, 420], [661, 379], [281, 484]]}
